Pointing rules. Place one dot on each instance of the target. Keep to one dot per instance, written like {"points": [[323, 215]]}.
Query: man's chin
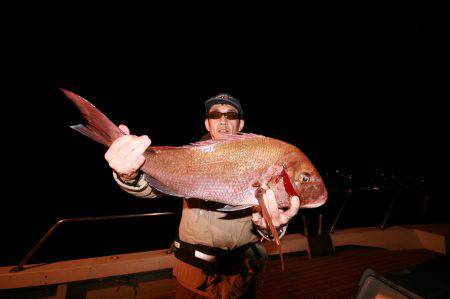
{"points": [[221, 135]]}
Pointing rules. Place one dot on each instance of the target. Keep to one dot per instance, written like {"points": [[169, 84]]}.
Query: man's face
{"points": [[219, 128]]}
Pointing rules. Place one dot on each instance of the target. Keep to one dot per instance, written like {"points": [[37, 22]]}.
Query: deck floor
{"points": [[333, 276], [325, 277]]}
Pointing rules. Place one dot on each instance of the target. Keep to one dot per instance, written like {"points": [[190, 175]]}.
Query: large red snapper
{"points": [[230, 171]]}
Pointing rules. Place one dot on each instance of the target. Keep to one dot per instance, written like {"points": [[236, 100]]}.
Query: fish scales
{"points": [[222, 171]]}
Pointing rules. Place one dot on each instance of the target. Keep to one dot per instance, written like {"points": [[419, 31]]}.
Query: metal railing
{"points": [[42, 241], [398, 187], [349, 192], [347, 198]]}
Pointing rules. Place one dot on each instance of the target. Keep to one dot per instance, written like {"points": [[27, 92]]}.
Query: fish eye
{"points": [[304, 177]]}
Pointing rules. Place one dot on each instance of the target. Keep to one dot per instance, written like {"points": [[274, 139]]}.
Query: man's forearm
{"points": [[139, 187]]}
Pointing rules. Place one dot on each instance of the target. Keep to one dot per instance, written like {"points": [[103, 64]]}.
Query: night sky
{"points": [[357, 86]]}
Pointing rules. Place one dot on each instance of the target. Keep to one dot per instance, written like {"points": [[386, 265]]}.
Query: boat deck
{"points": [[148, 274], [333, 276], [325, 277]]}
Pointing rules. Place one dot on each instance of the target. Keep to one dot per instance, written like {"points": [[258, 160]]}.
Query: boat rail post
{"points": [[41, 242], [305, 226], [349, 192], [320, 224], [391, 205]]}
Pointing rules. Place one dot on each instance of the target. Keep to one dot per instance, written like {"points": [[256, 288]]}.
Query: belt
{"points": [[211, 259]]}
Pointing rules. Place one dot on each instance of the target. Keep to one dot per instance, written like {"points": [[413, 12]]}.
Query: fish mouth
{"points": [[319, 202], [313, 205]]}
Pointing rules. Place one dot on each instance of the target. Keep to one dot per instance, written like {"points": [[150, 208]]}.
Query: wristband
{"points": [[281, 231], [133, 183]]}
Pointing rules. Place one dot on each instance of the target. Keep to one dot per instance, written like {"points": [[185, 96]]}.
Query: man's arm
{"points": [[139, 187], [126, 156]]}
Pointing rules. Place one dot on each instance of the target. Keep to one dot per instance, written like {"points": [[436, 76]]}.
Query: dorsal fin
{"points": [[240, 136], [157, 149], [207, 143]]}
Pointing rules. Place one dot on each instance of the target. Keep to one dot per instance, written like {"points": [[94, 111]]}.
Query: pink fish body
{"points": [[230, 171]]}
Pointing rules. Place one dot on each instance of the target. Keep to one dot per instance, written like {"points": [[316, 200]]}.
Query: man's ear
{"points": [[207, 125], [241, 124]]}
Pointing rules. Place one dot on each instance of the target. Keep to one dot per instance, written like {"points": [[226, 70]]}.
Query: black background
{"points": [[358, 86]]}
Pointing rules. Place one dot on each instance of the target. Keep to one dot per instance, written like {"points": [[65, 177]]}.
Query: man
{"points": [[216, 251]]}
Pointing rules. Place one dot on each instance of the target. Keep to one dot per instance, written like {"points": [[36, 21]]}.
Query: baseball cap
{"points": [[224, 98]]}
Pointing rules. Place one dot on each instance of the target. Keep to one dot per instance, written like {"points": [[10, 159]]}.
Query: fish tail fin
{"points": [[98, 127], [269, 222]]}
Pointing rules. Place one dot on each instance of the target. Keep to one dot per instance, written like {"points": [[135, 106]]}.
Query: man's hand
{"points": [[125, 155], [279, 217]]}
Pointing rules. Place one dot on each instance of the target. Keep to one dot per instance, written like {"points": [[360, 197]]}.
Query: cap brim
{"points": [[212, 102]]}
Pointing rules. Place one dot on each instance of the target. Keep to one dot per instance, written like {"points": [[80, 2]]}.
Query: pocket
{"points": [[245, 233]]}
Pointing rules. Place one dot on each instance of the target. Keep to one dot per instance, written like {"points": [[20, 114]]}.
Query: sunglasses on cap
{"points": [[231, 115]]}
